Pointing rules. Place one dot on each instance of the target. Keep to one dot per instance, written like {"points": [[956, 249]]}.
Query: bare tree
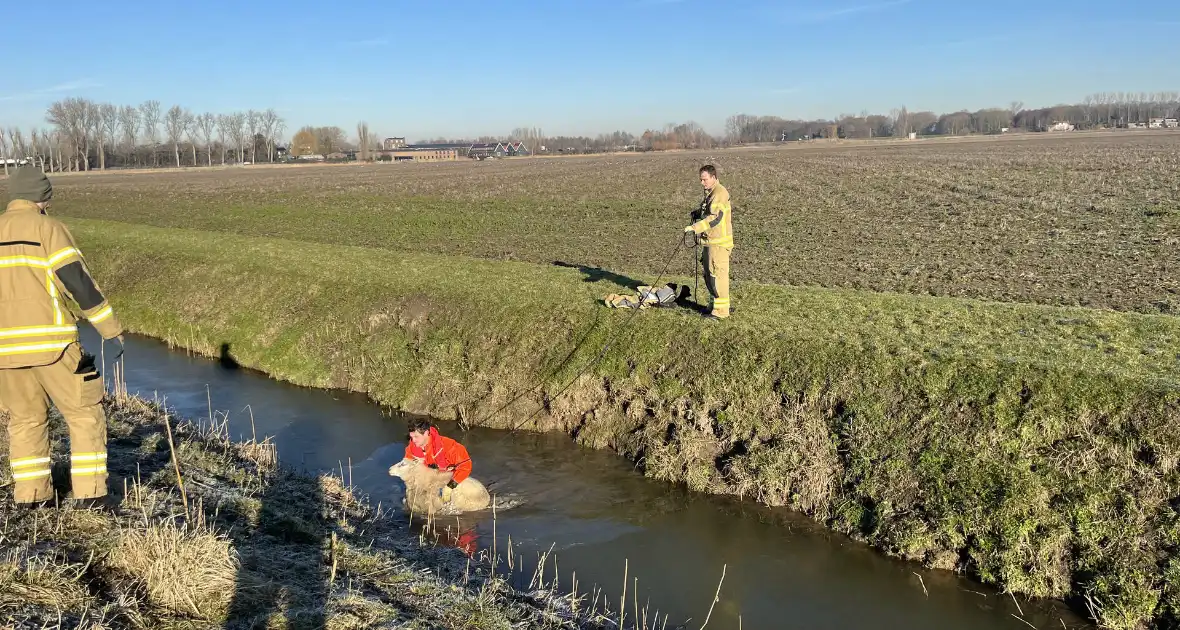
{"points": [[66, 115], [53, 148], [224, 132], [276, 136], [174, 127], [108, 117], [1014, 108], [901, 125], [50, 143], [253, 123], [150, 111], [91, 131], [270, 121], [129, 120], [206, 123], [237, 129], [17, 138], [4, 151], [35, 148], [364, 141], [45, 149], [96, 130], [190, 124]]}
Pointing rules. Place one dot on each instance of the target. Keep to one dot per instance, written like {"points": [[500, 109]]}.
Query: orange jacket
{"points": [[443, 452]]}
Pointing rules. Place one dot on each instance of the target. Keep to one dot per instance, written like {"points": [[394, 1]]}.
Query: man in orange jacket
{"points": [[439, 452]]}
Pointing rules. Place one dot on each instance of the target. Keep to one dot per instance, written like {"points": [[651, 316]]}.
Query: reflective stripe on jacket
{"points": [[443, 452], [40, 268], [717, 224]]}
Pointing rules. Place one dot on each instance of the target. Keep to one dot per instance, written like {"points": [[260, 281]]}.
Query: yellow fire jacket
{"points": [[717, 224], [39, 265]]}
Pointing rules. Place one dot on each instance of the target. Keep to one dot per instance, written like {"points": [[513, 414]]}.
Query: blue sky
{"points": [[462, 67]]}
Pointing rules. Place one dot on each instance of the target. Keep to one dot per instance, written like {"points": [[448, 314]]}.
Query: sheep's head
{"points": [[402, 468]]}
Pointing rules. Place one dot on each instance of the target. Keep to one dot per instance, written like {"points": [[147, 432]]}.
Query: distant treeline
{"points": [[1107, 109], [82, 134]]}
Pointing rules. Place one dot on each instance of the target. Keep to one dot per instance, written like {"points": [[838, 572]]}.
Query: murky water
{"points": [[781, 570]]}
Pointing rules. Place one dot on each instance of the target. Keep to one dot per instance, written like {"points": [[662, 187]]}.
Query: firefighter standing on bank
{"points": [[41, 357], [716, 225]]}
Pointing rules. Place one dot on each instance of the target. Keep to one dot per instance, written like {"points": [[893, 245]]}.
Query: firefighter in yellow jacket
{"points": [[41, 357], [717, 228]]}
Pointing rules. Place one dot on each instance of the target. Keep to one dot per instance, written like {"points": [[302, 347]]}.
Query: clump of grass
{"points": [[34, 581], [186, 570]]}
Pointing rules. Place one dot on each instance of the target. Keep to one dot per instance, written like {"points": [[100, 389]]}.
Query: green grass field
{"points": [[959, 414], [1079, 221]]}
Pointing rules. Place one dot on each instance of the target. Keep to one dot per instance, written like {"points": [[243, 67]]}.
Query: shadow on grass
{"points": [[283, 571], [596, 274]]}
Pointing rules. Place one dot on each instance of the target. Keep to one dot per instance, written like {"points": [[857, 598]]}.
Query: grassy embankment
{"points": [[1029, 445], [244, 543], [1005, 440]]}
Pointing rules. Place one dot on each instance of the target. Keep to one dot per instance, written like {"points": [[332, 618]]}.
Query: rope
{"points": [[696, 261]]}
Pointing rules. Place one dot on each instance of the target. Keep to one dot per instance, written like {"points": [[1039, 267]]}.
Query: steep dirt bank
{"points": [[1032, 447]]}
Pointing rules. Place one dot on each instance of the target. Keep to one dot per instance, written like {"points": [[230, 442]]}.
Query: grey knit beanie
{"points": [[31, 184]]}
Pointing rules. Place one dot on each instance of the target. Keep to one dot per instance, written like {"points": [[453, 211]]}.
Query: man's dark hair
{"points": [[421, 425], [708, 168]]}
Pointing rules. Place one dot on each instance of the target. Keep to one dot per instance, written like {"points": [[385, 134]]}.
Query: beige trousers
{"points": [[715, 261], [76, 388]]}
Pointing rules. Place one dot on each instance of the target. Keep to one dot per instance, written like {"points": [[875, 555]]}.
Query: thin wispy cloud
{"points": [[69, 86], [369, 43], [984, 39], [837, 14], [1147, 22]]}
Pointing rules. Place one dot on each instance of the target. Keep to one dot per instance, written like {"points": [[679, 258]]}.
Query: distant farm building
{"points": [[483, 150], [1172, 123], [396, 149], [419, 154], [1061, 126]]}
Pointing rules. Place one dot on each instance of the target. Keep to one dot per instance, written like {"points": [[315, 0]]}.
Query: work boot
{"points": [[92, 503]]}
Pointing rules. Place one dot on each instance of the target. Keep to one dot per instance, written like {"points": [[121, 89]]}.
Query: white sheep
{"points": [[423, 485]]}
